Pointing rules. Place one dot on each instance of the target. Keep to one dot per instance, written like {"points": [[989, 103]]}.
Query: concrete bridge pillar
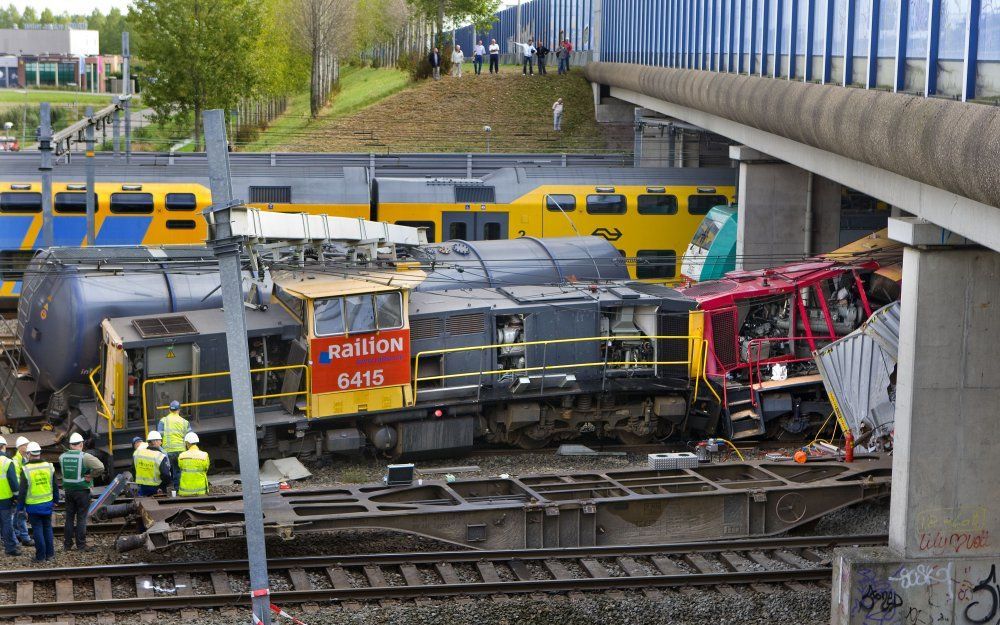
{"points": [[944, 533], [785, 212]]}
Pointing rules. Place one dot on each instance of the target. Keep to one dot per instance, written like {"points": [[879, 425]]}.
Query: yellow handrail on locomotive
{"points": [[693, 340], [107, 410], [212, 402]]}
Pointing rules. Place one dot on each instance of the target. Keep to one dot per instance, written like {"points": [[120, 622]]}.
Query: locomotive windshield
{"points": [[358, 313]]}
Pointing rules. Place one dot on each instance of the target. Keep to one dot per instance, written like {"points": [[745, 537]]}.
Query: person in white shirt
{"points": [[528, 53], [477, 57], [557, 113], [494, 57], [456, 61]]}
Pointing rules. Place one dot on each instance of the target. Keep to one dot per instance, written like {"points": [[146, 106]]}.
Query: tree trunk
{"points": [[314, 84], [440, 16], [197, 127]]}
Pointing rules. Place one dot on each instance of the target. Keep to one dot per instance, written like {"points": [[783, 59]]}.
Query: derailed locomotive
{"points": [[524, 342]]}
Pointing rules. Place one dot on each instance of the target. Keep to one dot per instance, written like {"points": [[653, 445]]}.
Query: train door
{"points": [[474, 226]]}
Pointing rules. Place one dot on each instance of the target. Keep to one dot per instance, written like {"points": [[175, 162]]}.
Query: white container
{"points": [[668, 461]]}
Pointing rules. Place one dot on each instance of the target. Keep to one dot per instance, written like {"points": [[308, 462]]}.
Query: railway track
{"points": [[760, 564]]}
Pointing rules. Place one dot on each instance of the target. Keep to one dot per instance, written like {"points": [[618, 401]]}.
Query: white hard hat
{"points": [[75, 438], [3, 441], [191, 438], [34, 448], [20, 441], [154, 435]]}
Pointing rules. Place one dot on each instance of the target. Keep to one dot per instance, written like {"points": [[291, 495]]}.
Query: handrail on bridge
{"points": [[107, 411], [212, 402], [693, 343]]}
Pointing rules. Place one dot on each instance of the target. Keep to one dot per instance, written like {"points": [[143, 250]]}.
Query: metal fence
{"points": [[827, 41], [542, 20]]}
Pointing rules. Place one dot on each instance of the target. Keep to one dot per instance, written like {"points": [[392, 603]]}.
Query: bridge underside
{"points": [[937, 159]]}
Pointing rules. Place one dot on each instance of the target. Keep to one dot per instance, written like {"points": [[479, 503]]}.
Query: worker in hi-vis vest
{"points": [[152, 467], [194, 468], [78, 470], [39, 495], [173, 428], [9, 488]]}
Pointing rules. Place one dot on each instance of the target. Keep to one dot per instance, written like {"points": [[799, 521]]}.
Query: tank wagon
{"points": [[522, 342]]}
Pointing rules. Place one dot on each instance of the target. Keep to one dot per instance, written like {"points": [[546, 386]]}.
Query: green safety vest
{"points": [[147, 466], [38, 475], [193, 464], [18, 464], [5, 491], [73, 470], [174, 429]]}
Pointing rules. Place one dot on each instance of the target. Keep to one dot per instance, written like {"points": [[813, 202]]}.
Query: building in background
{"points": [[52, 55]]}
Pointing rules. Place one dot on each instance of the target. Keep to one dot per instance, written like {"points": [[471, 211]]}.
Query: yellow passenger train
{"points": [[649, 215]]}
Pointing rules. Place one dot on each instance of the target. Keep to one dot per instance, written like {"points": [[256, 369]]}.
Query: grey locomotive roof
{"points": [[210, 321], [511, 183]]}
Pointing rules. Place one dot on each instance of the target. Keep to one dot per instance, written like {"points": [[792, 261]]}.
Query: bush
{"points": [[376, 62], [419, 66]]}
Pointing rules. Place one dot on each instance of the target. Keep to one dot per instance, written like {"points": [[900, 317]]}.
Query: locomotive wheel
{"points": [[524, 441]]}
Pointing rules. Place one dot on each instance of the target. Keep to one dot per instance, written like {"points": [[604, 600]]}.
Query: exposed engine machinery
{"points": [[418, 348]]}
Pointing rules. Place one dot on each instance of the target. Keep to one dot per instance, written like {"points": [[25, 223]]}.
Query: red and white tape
{"points": [[279, 612]]}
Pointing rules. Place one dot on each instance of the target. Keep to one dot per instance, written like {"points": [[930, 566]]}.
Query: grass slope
{"points": [[359, 87], [34, 96], [449, 115]]}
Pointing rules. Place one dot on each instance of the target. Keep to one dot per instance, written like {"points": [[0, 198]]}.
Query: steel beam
{"points": [[737, 500], [45, 147]]}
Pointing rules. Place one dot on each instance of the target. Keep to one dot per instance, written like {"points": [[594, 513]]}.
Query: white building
{"points": [[49, 41]]}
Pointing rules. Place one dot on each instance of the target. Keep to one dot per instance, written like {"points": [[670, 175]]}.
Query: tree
{"points": [[47, 17], [29, 16], [197, 55], [324, 30], [479, 12], [10, 17], [110, 28]]}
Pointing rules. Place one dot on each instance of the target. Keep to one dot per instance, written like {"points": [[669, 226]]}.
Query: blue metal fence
{"points": [[541, 20], [828, 41]]}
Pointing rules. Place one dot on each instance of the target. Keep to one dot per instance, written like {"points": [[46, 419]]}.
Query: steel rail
{"points": [[489, 584]]}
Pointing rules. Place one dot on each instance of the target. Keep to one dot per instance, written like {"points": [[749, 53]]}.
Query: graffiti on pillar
{"points": [[878, 603], [958, 529], [982, 601]]}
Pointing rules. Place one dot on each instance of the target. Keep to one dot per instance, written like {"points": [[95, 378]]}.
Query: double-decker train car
{"points": [[648, 214], [523, 342]]}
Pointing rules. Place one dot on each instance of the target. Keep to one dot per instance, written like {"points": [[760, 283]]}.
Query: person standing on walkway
{"points": [[477, 57], [457, 57], [434, 58], [9, 488], [557, 113], [78, 470], [39, 495], [194, 465], [562, 55], [18, 515], [494, 57], [542, 52], [173, 428], [528, 56], [152, 467]]}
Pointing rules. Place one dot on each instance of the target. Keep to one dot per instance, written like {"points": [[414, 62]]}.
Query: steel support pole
{"points": [[91, 208], [127, 90], [116, 131], [227, 250], [45, 147]]}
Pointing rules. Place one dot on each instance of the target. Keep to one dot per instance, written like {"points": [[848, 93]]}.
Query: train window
{"points": [[21, 202], [607, 204], [73, 203], [329, 314], [181, 224], [132, 203], [14, 262], [428, 226], [657, 204], [475, 195], [360, 313], [559, 202], [389, 310], [653, 264], [181, 202], [491, 231], [457, 230], [701, 204], [295, 305]]}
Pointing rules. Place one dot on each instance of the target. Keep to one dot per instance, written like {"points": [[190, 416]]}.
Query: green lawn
{"points": [[359, 87], [34, 96]]}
